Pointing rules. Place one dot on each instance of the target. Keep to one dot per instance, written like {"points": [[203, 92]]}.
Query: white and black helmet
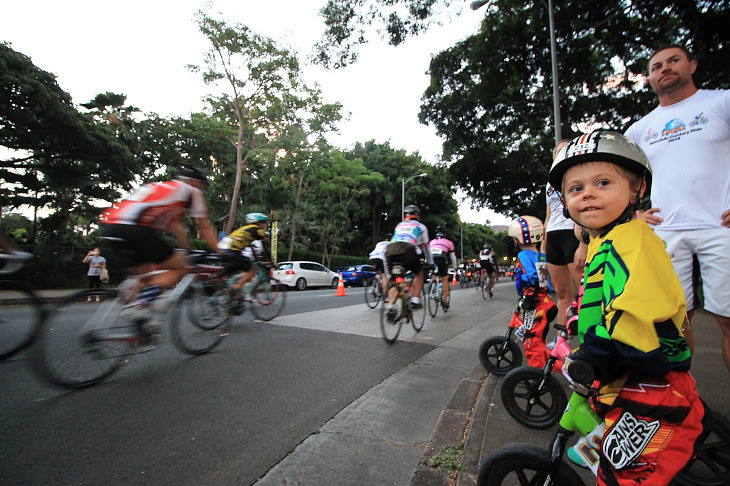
{"points": [[602, 146]]}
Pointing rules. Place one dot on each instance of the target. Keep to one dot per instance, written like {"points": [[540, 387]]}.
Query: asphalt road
{"points": [[165, 418]]}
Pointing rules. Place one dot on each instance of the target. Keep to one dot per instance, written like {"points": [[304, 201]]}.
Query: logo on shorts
{"points": [[627, 439]]}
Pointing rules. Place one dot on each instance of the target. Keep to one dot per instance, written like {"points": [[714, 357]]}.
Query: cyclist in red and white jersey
{"points": [[140, 219]]}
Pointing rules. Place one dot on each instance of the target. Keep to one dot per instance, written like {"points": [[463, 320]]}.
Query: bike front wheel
{"points": [[391, 323], [373, 293], [532, 401], [524, 464], [499, 355], [269, 299], [711, 466], [83, 342], [197, 322], [21, 314], [433, 299]]}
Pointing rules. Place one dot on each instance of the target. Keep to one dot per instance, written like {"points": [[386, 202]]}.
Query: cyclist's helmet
{"points": [[252, 218], [440, 231], [487, 247], [527, 229], [411, 211], [187, 171], [604, 146]]}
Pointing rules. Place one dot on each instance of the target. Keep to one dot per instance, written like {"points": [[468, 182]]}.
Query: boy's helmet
{"points": [[527, 229], [252, 218], [602, 146], [187, 171]]}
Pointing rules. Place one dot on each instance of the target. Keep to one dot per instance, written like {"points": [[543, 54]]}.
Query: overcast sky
{"points": [[141, 48]]}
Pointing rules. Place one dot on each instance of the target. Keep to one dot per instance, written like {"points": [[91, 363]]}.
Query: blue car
{"points": [[357, 274]]}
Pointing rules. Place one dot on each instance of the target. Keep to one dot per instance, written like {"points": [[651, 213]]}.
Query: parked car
{"points": [[305, 274], [357, 274]]}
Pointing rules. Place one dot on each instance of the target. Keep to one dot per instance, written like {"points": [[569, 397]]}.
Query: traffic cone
{"points": [[341, 288], [453, 282]]}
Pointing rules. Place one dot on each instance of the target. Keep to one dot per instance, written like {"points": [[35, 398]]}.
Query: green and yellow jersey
{"points": [[244, 236], [633, 306]]}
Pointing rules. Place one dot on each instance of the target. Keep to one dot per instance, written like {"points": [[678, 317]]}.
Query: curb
{"points": [[454, 426]]}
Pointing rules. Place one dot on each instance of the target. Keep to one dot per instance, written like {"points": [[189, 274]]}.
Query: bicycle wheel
{"points": [[711, 467], [499, 355], [391, 328], [82, 343], [532, 401], [524, 464], [197, 322], [21, 314], [269, 299], [433, 299], [485, 290], [418, 316], [373, 293]]}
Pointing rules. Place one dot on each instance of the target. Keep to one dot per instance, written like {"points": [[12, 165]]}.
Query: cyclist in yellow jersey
{"points": [[243, 246]]}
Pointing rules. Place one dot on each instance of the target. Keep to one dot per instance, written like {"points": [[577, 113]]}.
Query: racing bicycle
{"points": [[436, 296], [81, 344], [21, 310], [374, 291], [400, 303]]}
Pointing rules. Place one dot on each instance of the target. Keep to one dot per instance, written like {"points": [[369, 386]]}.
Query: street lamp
{"points": [[553, 60], [403, 194]]}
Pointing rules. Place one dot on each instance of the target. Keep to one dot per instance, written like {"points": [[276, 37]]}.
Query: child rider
{"points": [[532, 286], [632, 315]]}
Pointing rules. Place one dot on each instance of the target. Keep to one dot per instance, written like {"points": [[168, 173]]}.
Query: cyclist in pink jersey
{"points": [[140, 219], [442, 250]]}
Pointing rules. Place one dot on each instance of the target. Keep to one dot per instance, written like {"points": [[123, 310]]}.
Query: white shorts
{"points": [[712, 247]]}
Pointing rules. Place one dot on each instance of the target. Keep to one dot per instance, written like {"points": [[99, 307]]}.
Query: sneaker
{"points": [[446, 306], [416, 305]]}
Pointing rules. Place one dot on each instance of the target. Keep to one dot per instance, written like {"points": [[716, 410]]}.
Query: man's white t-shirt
{"points": [[688, 146], [557, 221]]}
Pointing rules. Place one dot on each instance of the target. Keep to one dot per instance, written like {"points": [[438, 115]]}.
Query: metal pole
{"points": [[554, 61], [403, 200]]}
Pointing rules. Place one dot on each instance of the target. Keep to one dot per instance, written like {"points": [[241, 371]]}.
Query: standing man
{"points": [[687, 140]]}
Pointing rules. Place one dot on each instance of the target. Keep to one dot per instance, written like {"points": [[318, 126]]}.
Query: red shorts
{"points": [[653, 425], [536, 350]]}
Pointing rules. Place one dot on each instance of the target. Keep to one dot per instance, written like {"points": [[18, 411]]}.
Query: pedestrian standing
{"points": [[96, 264]]}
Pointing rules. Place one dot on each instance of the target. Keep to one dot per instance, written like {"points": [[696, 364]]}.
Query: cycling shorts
{"points": [[487, 265], [561, 247], [378, 264], [405, 254], [141, 244], [235, 262], [442, 266], [653, 426]]}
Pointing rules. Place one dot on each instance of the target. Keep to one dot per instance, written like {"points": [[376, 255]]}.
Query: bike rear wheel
{"points": [[499, 355], [534, 403], [269, 299], [485, 289], [21, 314], [524, 465], [390, 329], [418, 316], [433, 299], [373, 293], [197, 322], [82, 343]]}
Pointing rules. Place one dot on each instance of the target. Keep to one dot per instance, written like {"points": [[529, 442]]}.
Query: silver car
{"points": [[302, 275]]}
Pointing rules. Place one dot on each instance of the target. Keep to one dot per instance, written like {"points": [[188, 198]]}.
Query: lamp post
{"points": [[403, 194], [553, 60]]}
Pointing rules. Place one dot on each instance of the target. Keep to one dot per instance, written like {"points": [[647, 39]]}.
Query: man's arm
{"points": [[207, 233]]}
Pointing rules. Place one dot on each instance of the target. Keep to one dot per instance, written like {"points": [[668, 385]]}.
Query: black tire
{"points": [[269, 299], [335, 283], [373, 293], [391, 329], [711, 467], [73, 349], [529, 403], [418, 316], [21, 315], [433, 301], [525, 465], [500, 357], [301, 284], [485, 289], [197, 324]]}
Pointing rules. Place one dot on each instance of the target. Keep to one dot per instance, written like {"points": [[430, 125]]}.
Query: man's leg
{"points": [[176, 266], [445, 290], [724, 323]]}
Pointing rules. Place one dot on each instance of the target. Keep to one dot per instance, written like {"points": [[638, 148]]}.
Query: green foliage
{"points": [[449, 460]]}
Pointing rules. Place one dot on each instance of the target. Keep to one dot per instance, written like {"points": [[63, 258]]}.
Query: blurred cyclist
{"points": [[443, 249], [486, 260], [243, 247]]}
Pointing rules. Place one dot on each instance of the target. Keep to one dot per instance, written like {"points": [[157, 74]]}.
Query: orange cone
{"points": [[341, 288], [453, 282]]}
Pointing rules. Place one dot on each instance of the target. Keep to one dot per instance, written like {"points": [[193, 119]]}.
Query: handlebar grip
{"points": [[581, 372]]}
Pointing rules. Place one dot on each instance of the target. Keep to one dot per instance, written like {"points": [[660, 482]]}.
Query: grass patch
{"points": [[449, 460]]}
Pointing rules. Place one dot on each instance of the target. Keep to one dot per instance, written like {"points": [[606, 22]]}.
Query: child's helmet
{"points": [[527, 229], [602, 146], [252, 218]]}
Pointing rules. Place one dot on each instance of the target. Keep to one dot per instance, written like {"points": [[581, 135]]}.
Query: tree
{"points": [[57, 157], [259, 77]]}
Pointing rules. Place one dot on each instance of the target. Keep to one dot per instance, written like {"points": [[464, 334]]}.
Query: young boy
{"points": [[632, 314], [532, 286]]}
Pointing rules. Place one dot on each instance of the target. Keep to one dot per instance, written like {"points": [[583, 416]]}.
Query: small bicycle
{"points": [[501, 354], [390, 326], [527, 464], [374, 292], [81, 344], [21, 311]]}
